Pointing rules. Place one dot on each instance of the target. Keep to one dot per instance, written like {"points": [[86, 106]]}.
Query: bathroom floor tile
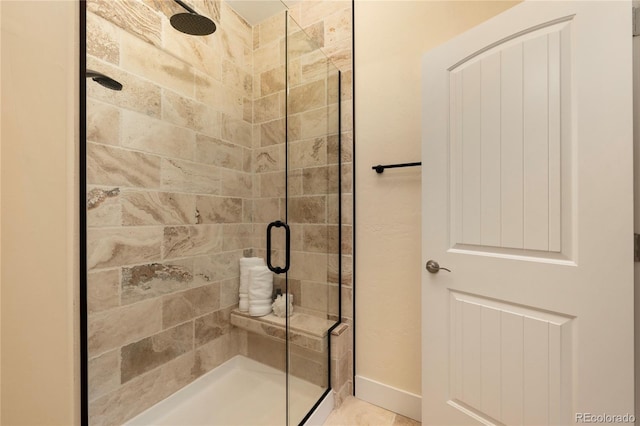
{"points": [[354, 412]]}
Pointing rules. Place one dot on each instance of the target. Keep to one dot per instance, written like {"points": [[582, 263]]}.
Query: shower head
{"points": [[192, 23], [103, 80]]}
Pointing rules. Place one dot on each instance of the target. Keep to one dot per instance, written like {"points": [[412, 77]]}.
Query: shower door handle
{"points": [[277, 269]]}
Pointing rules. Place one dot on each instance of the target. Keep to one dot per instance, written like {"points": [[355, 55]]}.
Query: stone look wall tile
{"points": [[309, 266], [133, 17], [104, 42], [113, 166], [272, 81], [186, 305], [104, 376], [186, 241], [165, 70], [314, 66], [211, 326], [142, 133], [216, 352], [233, 21], [103, 290], [237, 79], [306, 369], [192, 50], [267, 351], [236, 236], [219, 209], [340, 53], [150, 352], [164, 7], [142, 392], [103, 207], [267, 56], [190, 114], [236, 184], [299, 43], [266, 210], [229, 292], [218, 267], [122, 246], [319, 180], [268, 108], [307, 97], [308, 209], [103, 123], [308, 153], [315, 295], [271, 29], [186, 176], [247, 109], [212, 92], [338, 26], [273, 184], [219, 153], [272, 133], [346, 145], [116, 327], [316, 10], [236, 130], [268, 159], [155, 279], [141, 95], [157, 208], [315, 123], [210, 8]]}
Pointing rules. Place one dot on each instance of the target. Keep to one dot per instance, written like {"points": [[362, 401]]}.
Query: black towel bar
{"points": [[380, 168]]}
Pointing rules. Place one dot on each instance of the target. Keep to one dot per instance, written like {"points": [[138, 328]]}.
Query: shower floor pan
{"points": [[240, 392]]}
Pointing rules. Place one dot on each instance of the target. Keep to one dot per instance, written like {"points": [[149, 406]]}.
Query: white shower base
{"points": [[240, 392]]}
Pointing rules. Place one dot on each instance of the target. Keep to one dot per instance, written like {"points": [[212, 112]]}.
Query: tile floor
{"points": [[354, 412]]}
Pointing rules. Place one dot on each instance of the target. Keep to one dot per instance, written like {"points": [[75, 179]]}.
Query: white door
{"points": [[527, 198]]}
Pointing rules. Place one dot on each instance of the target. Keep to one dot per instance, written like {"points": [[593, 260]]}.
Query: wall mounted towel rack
{"points": [[380, 168]]}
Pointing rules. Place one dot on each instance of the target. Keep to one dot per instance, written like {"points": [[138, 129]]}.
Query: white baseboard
{"points": [[322, 411], [393, 399]]}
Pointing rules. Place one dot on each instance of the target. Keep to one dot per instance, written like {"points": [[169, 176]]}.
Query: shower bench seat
{"points": [[305, 330]]}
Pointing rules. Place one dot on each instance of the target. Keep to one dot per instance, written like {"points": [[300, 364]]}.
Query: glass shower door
{"points": [[313, 201]]}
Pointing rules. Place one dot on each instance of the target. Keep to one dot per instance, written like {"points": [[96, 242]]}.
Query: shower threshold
{"points": [[239, 392]]}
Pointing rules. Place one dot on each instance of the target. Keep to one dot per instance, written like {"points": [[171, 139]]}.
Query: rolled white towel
{"points": [[243, 305], [260, 309], [260, 290], [245, 264], [260, 283]]}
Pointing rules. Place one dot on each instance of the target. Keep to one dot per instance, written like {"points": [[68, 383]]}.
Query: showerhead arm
{"points": [[185, 6], [103, 80]]}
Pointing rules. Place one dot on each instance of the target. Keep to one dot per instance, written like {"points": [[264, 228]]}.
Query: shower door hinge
{"points": [[636, 247], [635, 25]]}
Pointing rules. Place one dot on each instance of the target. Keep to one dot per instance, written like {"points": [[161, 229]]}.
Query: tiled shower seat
{"points": [[305, 330]]}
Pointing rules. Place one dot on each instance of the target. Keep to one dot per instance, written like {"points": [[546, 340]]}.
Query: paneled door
{"points": [[527, 200]]}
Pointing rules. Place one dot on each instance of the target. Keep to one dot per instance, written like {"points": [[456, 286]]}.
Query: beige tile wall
{"points": [[185, 169], [170, 190]]}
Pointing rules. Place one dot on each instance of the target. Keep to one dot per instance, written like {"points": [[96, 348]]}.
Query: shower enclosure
{"points": [[211, 141]]}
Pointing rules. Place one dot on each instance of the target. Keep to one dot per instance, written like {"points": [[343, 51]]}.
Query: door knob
{"points": [[434, 267]]}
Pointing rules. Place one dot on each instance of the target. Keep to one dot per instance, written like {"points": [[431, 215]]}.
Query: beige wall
{"points": [[390, 38], [40, 380]]}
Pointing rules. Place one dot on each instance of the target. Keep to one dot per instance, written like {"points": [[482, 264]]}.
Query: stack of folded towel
{"points": [[245, 264], [260, 291]]}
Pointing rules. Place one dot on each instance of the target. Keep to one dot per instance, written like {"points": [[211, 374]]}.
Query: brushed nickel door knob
{"points": [[434, 267]]}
